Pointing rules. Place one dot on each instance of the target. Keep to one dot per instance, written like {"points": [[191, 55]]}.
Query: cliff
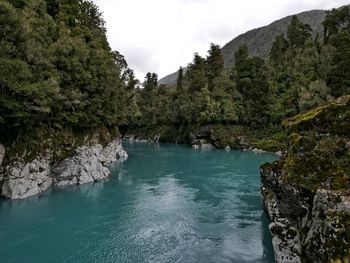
{"points": [[307, 192]]}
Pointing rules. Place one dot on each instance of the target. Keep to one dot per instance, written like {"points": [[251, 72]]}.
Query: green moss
{"points": [[227, 135], [62, 143], [268, 145], [275, 166], [317, 153], [333, 118], [238, 137]]}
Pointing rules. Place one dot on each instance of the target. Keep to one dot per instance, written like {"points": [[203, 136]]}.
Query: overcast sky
{"points": [[160, 35]]}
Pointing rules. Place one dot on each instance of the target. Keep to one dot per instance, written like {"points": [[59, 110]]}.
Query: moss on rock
{"points": [[314, 176], [60, 143], [317, 147]]}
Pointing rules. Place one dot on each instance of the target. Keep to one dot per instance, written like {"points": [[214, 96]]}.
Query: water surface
{"points": [[166, 203]]}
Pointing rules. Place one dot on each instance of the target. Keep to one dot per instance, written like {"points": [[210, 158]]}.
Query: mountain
{"points": [[260, 40]]}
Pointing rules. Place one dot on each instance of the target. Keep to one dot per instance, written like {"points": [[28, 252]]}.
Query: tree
{"points": [[196, 74], [180, 79], [151, 82], [339, 77], [241, 55], [251, 83], [57, 70], [335, 20], [11, 32], [314, 95], [278, 50], [214, 64], [53, 7], [298, 32]]}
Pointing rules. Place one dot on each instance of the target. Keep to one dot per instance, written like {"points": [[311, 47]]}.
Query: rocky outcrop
{"points": [[89, 164], [27, 179], [307, 192], [306, 226], [201, 138]]}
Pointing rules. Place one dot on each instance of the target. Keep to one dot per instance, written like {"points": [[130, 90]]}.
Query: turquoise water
{"points": [[166, 203]]}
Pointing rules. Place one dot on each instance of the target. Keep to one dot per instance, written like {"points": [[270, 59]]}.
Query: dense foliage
{"points": [[57, 70], [301, 72]]}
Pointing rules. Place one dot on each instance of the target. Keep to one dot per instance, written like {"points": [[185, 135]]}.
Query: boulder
{"points": [[89, 164], [27, 179]]}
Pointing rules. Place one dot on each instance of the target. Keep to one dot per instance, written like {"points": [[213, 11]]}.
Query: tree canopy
{"points": [[56, 68]]}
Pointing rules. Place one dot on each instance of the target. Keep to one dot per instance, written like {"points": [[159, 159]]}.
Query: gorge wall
{"points": [[307, 192]]}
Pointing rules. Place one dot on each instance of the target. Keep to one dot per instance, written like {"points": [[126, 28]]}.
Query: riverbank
{"points": [[215, 135], [59, 161]]}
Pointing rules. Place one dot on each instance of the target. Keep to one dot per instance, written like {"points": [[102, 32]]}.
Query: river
{"points": [[166, 203]]}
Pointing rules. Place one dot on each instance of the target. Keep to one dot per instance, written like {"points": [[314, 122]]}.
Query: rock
{"points": [[141, 140], [2, 153], [279, 153], [89, 164], [285, 242], [207, 146], [227, 148], [27, 179], [329, 226], [23, 180], [123, 155], [204, 144], [73, 181], [113, 152], [255, 150], [202, 137], [285, 237], [306, 193], [203, 132]]}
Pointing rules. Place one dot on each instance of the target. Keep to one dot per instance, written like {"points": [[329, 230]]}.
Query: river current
{"points": [[166, 203]]}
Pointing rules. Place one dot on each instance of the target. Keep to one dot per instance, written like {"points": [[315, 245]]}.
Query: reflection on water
{"points": [[167, 203]]}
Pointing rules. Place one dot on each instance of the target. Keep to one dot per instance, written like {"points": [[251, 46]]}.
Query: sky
{"points": [[162, 35]]}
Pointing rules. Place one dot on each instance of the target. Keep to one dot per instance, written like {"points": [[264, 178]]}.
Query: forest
{"points": [[57, 70], [58, 73], [254, 96]]}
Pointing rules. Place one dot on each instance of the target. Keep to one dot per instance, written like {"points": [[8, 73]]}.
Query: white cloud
{"points": [[159, 36]]}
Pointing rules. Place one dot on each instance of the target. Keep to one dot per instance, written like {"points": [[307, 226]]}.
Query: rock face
{"points": [[89, 164], [307, 193], [27, 179]]}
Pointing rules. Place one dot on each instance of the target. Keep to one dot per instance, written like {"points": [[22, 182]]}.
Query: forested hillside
{"points": [[259, 40], [57, 71], [254, 96]]}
